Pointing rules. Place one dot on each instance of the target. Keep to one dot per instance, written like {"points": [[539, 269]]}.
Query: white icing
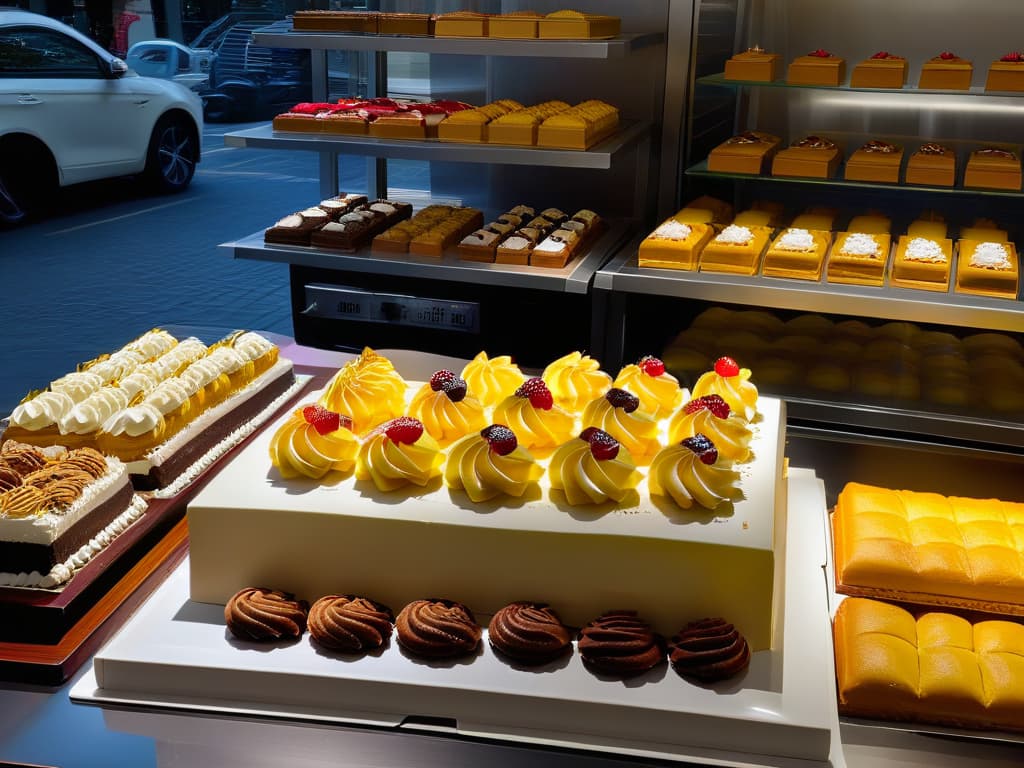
{"points": [[480, 237], [735, 235], [991, 256], [188, 351], [135, 421], [151, 344], [170, 395], [227, 359], [62, 572], [252, 346], [313, 213], [333, 226], [673, 230], [41, 411], [923, 249], [356, 216], [118, 365], [516, 243], [142, 380], [291, 221], [89, 415], [795, 240], [550, 246], [77, 386], [385, 208], [861, 244]]}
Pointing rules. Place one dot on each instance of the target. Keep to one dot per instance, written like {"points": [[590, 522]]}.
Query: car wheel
{"points": [[27, 175], [173, 152]]}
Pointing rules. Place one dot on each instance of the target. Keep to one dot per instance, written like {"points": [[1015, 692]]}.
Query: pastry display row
{"points": [[518, 25], [527, 635], [553, 124], [982, 262], [810, 355], [157, 404], [819, 157], [946, 71]]}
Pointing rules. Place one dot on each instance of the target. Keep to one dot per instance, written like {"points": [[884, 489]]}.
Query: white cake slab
{"points": [[177, 653]]}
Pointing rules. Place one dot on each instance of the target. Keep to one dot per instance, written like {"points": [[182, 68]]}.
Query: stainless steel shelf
{"points": [[575, 277], [701, 170], [977, 90], [617, 47], [981, 312], [599, 156]]}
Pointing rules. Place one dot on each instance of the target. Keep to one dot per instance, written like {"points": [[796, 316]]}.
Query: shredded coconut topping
{"points": [[860, 244], [923, 249], [734, 235], [795, 240], [991, 256], [673, 230]]}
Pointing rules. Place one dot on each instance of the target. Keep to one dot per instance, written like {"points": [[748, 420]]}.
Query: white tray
{"points": [[177, 653]]}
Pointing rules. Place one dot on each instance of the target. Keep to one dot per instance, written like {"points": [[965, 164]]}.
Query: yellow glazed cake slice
{"points": [[618, 413], [988, 269], [531, 413], [812, 156], [575, 380], [883, 70], [797, 253], [938, 668], [946, 72], [735, 250], [748, 152], [492, 379], [819, 67], [399, 453], [754, 64], [932, 165], [658, 390], [312, 442], [593, 468], [1007, 74], [491, 464], [922, 262], [691, 472], [368, 389], [859, 258], [675, 245], [875, 160], [732, 384], [447, 408], [711, 416]]}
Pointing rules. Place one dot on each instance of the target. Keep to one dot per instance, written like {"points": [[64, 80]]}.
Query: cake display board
{"points": [[177, 653]]}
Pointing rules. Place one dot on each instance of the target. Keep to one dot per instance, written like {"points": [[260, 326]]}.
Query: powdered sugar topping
{"points": [[991, 256]]}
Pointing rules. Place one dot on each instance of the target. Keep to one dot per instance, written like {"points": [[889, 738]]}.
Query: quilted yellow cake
{"points": [[928, 548], [937, 668]]}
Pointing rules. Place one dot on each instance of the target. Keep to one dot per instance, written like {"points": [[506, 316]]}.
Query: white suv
{"points": [[71, 112]]}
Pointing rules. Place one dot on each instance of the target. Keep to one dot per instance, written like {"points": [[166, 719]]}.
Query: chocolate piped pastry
{"points": [[437, 629], [86, 459], [530, 633], [620, 643], [349, 624], [22, 458], [709, 650], [265, 614]]}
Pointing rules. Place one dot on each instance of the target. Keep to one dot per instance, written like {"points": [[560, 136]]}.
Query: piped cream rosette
{"points": [[531, 413], [575, 380], [658, 390], [312, 442], [711, 415], [732, 384], [492, 379], [690, 472], [491, 464], [593, 468], [618, 413], [368, 388], [399, 453]]}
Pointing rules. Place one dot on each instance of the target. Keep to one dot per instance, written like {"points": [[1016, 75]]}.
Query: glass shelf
{"points": [[977, 90], [701, 170]]}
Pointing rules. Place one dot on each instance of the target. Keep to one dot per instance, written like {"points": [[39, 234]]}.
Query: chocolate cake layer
{"points": [[22, 557], [163, 474]]}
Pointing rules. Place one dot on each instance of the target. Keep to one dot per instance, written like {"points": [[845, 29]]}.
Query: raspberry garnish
{"points": [[947, 55], [439, 378], [821, 53], [455, 388], [881, 55], [713, 403], [602, 445], [651, 365], [726, 366], [502, 439], [701, 445], [620, 398], [1013, 56], [325, 421], [404, 429], [538, 392]]}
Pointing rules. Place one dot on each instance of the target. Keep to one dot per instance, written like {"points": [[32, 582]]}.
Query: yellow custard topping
{"points": [[531, 413], [729, 432], [491, 464], [492, 379], [617, 412], [445, 417], [732, 384], [398, 453], [590, 471], [312, 442], [659, 391], [575, 380], [368, 389], [690, 472]]}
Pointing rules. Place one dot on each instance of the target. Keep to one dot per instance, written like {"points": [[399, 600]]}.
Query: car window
{"points": [[36, 52]]}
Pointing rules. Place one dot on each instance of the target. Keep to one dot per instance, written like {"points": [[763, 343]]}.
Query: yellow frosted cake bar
{"points": [[988, 268], [859, 258], [579, 127], [736, 250], [675, 245], [797, 253], [520, 127], [928, 548], [922, 262], [936, 668]]}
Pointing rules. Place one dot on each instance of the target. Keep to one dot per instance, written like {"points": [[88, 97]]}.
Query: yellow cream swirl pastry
{"points": [[711, 415], [690, 472], [732, 384], [492, 379], [490, 464], [618, 413], [593, 468], [446, 408], [575, 380], [397, 453], [659, 391], [312, 442], [368, 388], [531, 413]]}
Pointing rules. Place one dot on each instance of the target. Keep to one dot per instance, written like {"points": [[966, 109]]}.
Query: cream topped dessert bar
{"points": [[736, 250], [993, 168], [797, 253], [811, 156], [675, 245], [988, 269], [946, 72], [922, 262], [859, 258]]}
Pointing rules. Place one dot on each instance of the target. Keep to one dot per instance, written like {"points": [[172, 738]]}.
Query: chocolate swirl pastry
{"points": [[620, 643], [530, 633], [265, 614], [349, 624], [709, 650], [437, 629]]}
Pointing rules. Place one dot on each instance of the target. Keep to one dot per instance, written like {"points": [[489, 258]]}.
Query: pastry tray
{"points": [[778, 709]]}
